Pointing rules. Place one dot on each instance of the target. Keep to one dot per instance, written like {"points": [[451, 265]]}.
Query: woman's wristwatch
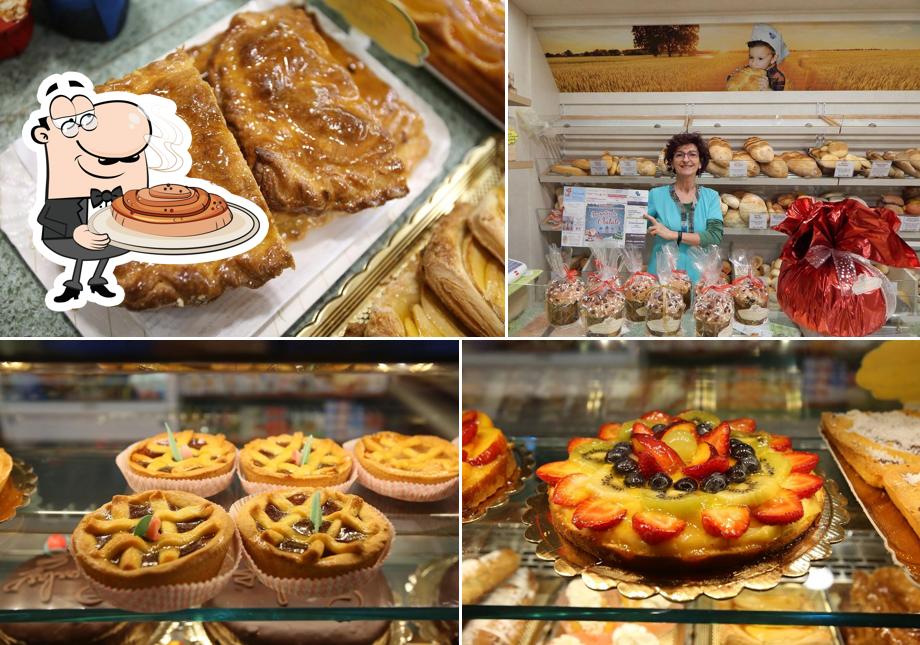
{"points": [[680, 237]]}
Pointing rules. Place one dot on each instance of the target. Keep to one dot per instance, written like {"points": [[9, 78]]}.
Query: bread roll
{"points": [[902, 160], [717, 170], [720, 151], [891, 199], [760, 150], [801, 165], [724, 207], [785, 200], [564, 169], [751, 203], [482, 575], [914, 155], [913, 207], [776, 168], [645, 167], [911, 192], [837, 148], [583, 164], [753, 168], [733, 219], [746, 79], [612, 163], [731, 200]]}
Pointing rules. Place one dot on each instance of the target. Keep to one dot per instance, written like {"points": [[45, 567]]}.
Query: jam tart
{"points": [[279, 535], [689, 491], [488, 463], [153, 538], [276, 460], [419, 459], [203, 456]]}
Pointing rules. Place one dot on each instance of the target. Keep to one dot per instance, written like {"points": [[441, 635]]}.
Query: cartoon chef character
{"points": [[94, 152]]}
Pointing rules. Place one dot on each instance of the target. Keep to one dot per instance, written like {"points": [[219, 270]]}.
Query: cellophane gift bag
{"points": [[564, 290], [602, 307], [713, 305], [638, 285], [679, 280], [665, 306], [749, 291], [827, 283]]}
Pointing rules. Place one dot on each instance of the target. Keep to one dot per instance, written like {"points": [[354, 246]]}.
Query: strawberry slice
{"points": [[665, 459], [571, 491], [609, 431], [493, 450], [719, 438], [744, 424], [802, 462], [803, 484], [654, 527], [641, 428], [729, 522], [466, 457], [704, 452], [717, 464], [598, 514], [780, 442], [555, 471], [648, 466], [657, 416], [470, 426], [577, 441], [782, 509]]}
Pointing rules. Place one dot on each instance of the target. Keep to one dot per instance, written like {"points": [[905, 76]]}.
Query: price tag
{"points": [[880, 169], [910, 223], [757, 221], [598, 167], [776, 219], [628, 168], [844, 168], [737, 168]]}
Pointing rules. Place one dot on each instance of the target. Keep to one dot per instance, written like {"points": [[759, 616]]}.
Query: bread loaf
{"points": [[724, 207], [747, 79], [912, 207], [731, 200], [760, 150], [733, 219], [720, 151], [564, 169], [583, 164], [753, 168], [482, 575], [716, 169], [785, 200], [645, 167], [837, 148], [751, 203], [776, 168], [902, 160], [801, 165]]}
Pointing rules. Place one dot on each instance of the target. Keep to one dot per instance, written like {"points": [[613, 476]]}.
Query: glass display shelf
{"points": [[75, 480], [861, 550]]}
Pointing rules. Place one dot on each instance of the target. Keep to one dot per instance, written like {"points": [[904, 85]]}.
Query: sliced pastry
{"points": [[295, 460], [466, 42], [488, 462], [419, 459], [216, 158], [901, 484], [314, 143], [153, 538], [281, 534], [200, 456], [873, 442]]}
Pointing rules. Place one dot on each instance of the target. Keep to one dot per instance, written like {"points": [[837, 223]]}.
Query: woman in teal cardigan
{"points": [[683, 212]]}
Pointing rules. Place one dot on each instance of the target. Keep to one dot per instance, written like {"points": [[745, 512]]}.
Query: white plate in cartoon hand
{"points": [[242, 227]]}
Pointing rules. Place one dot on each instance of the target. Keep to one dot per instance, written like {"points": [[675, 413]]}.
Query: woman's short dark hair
{"points": [[683, 139]]}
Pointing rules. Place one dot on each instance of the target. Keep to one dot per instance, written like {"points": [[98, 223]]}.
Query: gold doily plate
{"points": [[17, 493], [525, 467], [762, 574]]}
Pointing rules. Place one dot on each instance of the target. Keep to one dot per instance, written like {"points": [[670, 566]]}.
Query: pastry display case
{"points": [[83, 425], [554, 397]]}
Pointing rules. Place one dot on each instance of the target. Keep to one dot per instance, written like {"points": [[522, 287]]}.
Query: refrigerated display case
{"points": [[542, 394], [66, 411]]}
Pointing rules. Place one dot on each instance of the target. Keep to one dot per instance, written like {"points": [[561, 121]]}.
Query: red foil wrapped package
{"points": [[827, 283]]}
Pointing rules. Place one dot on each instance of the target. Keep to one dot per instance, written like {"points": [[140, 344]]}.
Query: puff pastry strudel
{"points": [[216, 158]]}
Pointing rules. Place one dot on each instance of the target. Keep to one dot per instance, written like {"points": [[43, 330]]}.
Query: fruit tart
{"points": [[690, 490], [201, 456], [488, 463], [279, 531], [419, 459], [153, 538], [295, 460]]}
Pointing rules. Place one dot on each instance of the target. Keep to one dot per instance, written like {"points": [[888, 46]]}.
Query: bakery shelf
{"points": [[520, 165]]}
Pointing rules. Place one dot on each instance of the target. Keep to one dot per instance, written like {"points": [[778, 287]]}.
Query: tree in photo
{"points": [[671, 39]]}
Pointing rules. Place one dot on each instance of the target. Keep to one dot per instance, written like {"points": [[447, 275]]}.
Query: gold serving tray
{"points": [[525, 467], [481, 169]]}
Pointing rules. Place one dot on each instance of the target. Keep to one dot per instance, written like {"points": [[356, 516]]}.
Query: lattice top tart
{"points": [[153, 538], [295, 460], [423, 459], [201, 456], [280, 535]]}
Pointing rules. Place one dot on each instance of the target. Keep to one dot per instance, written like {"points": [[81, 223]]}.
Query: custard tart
{"points": [[279, 459], [419, 459], [201, 456]]}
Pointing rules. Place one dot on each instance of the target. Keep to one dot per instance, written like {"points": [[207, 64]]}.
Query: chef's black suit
{"points": [[59, 218]]}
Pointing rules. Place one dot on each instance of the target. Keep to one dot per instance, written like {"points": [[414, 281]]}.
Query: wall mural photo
{"points": [[740, 57]]}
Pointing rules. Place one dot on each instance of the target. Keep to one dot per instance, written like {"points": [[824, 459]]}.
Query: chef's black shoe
{"points": [[69, 294], [101, 290]]}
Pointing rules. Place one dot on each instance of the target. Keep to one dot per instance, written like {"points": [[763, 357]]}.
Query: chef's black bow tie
{"points": [[97, 197]]}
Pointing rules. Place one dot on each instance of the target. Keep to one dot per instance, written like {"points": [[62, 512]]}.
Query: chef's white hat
{"points": [[771, 36]]}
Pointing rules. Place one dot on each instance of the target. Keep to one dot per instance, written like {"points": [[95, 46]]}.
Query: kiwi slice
{"points": [[700, 416]]}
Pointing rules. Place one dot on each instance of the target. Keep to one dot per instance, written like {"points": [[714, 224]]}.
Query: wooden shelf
{"points": [[708, 180], [520, 165], [516, 100]]}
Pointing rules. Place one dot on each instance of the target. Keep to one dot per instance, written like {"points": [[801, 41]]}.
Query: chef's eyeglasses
{"points": [[70, 125], [693, 154]]}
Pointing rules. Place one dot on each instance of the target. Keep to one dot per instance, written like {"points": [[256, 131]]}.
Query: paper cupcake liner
{"points": [[312, 587], [202, 487], [254, 488], [405, 491], [168, 597]]}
